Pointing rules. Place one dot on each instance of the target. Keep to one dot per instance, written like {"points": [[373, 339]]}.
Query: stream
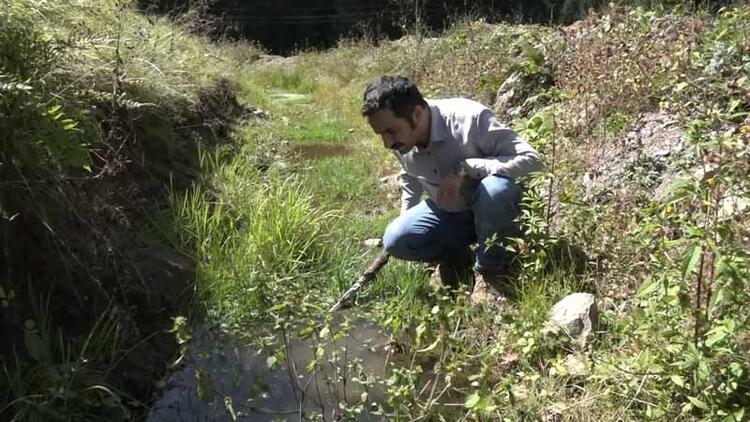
{"points": [[250, 386], [247, 389]]}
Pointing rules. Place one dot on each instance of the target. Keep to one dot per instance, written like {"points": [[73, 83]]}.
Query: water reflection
{"points": [[247, 389]]}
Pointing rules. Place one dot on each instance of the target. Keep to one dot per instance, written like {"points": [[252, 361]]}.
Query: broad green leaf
{"points": [[677, 380], [324, 332], [279, 306], [306, 333], [698, 403], [430, 347], [647, 287], [691, 259], [472, 400], [681, 189], [715, 299], [716, 336]]}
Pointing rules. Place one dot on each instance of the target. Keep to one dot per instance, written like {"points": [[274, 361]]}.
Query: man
{"points": [[456, 152]]}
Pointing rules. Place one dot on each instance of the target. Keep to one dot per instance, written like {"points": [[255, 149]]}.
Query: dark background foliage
{"points": [[283, 26]]}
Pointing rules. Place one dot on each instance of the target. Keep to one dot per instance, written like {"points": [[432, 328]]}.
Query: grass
{"points": [[276, 220], [65, 376], [511, 365], [96, 100]]}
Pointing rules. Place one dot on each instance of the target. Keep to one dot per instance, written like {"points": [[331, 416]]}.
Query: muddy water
{"points": [[286, 392], [282, 96]]}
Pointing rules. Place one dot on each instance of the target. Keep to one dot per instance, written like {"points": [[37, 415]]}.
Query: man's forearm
{"points": [[511, 166]]}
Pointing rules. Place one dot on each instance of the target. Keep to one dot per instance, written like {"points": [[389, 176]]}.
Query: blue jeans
{"points": [[428, 234]]}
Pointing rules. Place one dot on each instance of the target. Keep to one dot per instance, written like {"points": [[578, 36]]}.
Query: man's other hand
{"points": [[448, 191]]}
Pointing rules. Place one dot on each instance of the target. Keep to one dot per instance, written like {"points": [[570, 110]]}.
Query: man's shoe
{"points": [[490, 290], [453, 271], [450, 277]]}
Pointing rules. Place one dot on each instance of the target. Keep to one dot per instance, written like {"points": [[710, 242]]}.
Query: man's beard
{"points": [[397, 146]]}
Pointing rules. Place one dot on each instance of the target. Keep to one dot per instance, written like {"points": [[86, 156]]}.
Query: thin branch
{"points": [[635, 397]]}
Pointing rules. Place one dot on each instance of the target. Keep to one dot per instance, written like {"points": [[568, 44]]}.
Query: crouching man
{"points": [[456, 152]]}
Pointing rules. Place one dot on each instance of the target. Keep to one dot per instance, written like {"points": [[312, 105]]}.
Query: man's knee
{"points": [[394, 238], [498, 189], [404, 241]]}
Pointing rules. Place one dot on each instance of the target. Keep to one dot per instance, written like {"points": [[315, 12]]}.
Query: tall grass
{"points": [[64, 378], [258, 239], [96, 100]]}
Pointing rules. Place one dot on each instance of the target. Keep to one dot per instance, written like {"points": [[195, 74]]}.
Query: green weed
{"points": [[63, 379]]}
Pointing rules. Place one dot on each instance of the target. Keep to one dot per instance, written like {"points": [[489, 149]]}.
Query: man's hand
{"points": [[448, 192]]}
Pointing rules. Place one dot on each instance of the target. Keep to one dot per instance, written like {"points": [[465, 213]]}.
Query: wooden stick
{"points": [[365, 278]]}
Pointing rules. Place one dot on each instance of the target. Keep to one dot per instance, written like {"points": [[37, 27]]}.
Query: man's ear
{"points": [[418, 114]]}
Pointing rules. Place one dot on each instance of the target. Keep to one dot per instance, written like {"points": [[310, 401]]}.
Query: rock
{"points": [[553, 415], [260, 114], [374, 242], [645, 159], [732, 205], [577, 314], [575, 364]]}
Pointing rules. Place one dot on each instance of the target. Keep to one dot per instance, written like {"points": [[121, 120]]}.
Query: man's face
{"points": [[396, 132]]}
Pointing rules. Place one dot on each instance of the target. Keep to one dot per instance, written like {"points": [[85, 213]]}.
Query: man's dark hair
{"points": [[395, 93]]}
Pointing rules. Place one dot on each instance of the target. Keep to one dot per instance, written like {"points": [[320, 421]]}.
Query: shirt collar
{"points": [[438, 131]]}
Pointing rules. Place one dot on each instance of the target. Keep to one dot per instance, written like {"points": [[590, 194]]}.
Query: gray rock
{"points": [[733, 205], [575, 364], [644, 160], [374, 242], [577, 314]]}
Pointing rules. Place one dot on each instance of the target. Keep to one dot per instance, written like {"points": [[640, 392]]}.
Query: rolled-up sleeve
{"points": [[505, 152]]}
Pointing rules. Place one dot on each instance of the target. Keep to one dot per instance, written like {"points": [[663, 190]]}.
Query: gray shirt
{"points": [[462, 133]]}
